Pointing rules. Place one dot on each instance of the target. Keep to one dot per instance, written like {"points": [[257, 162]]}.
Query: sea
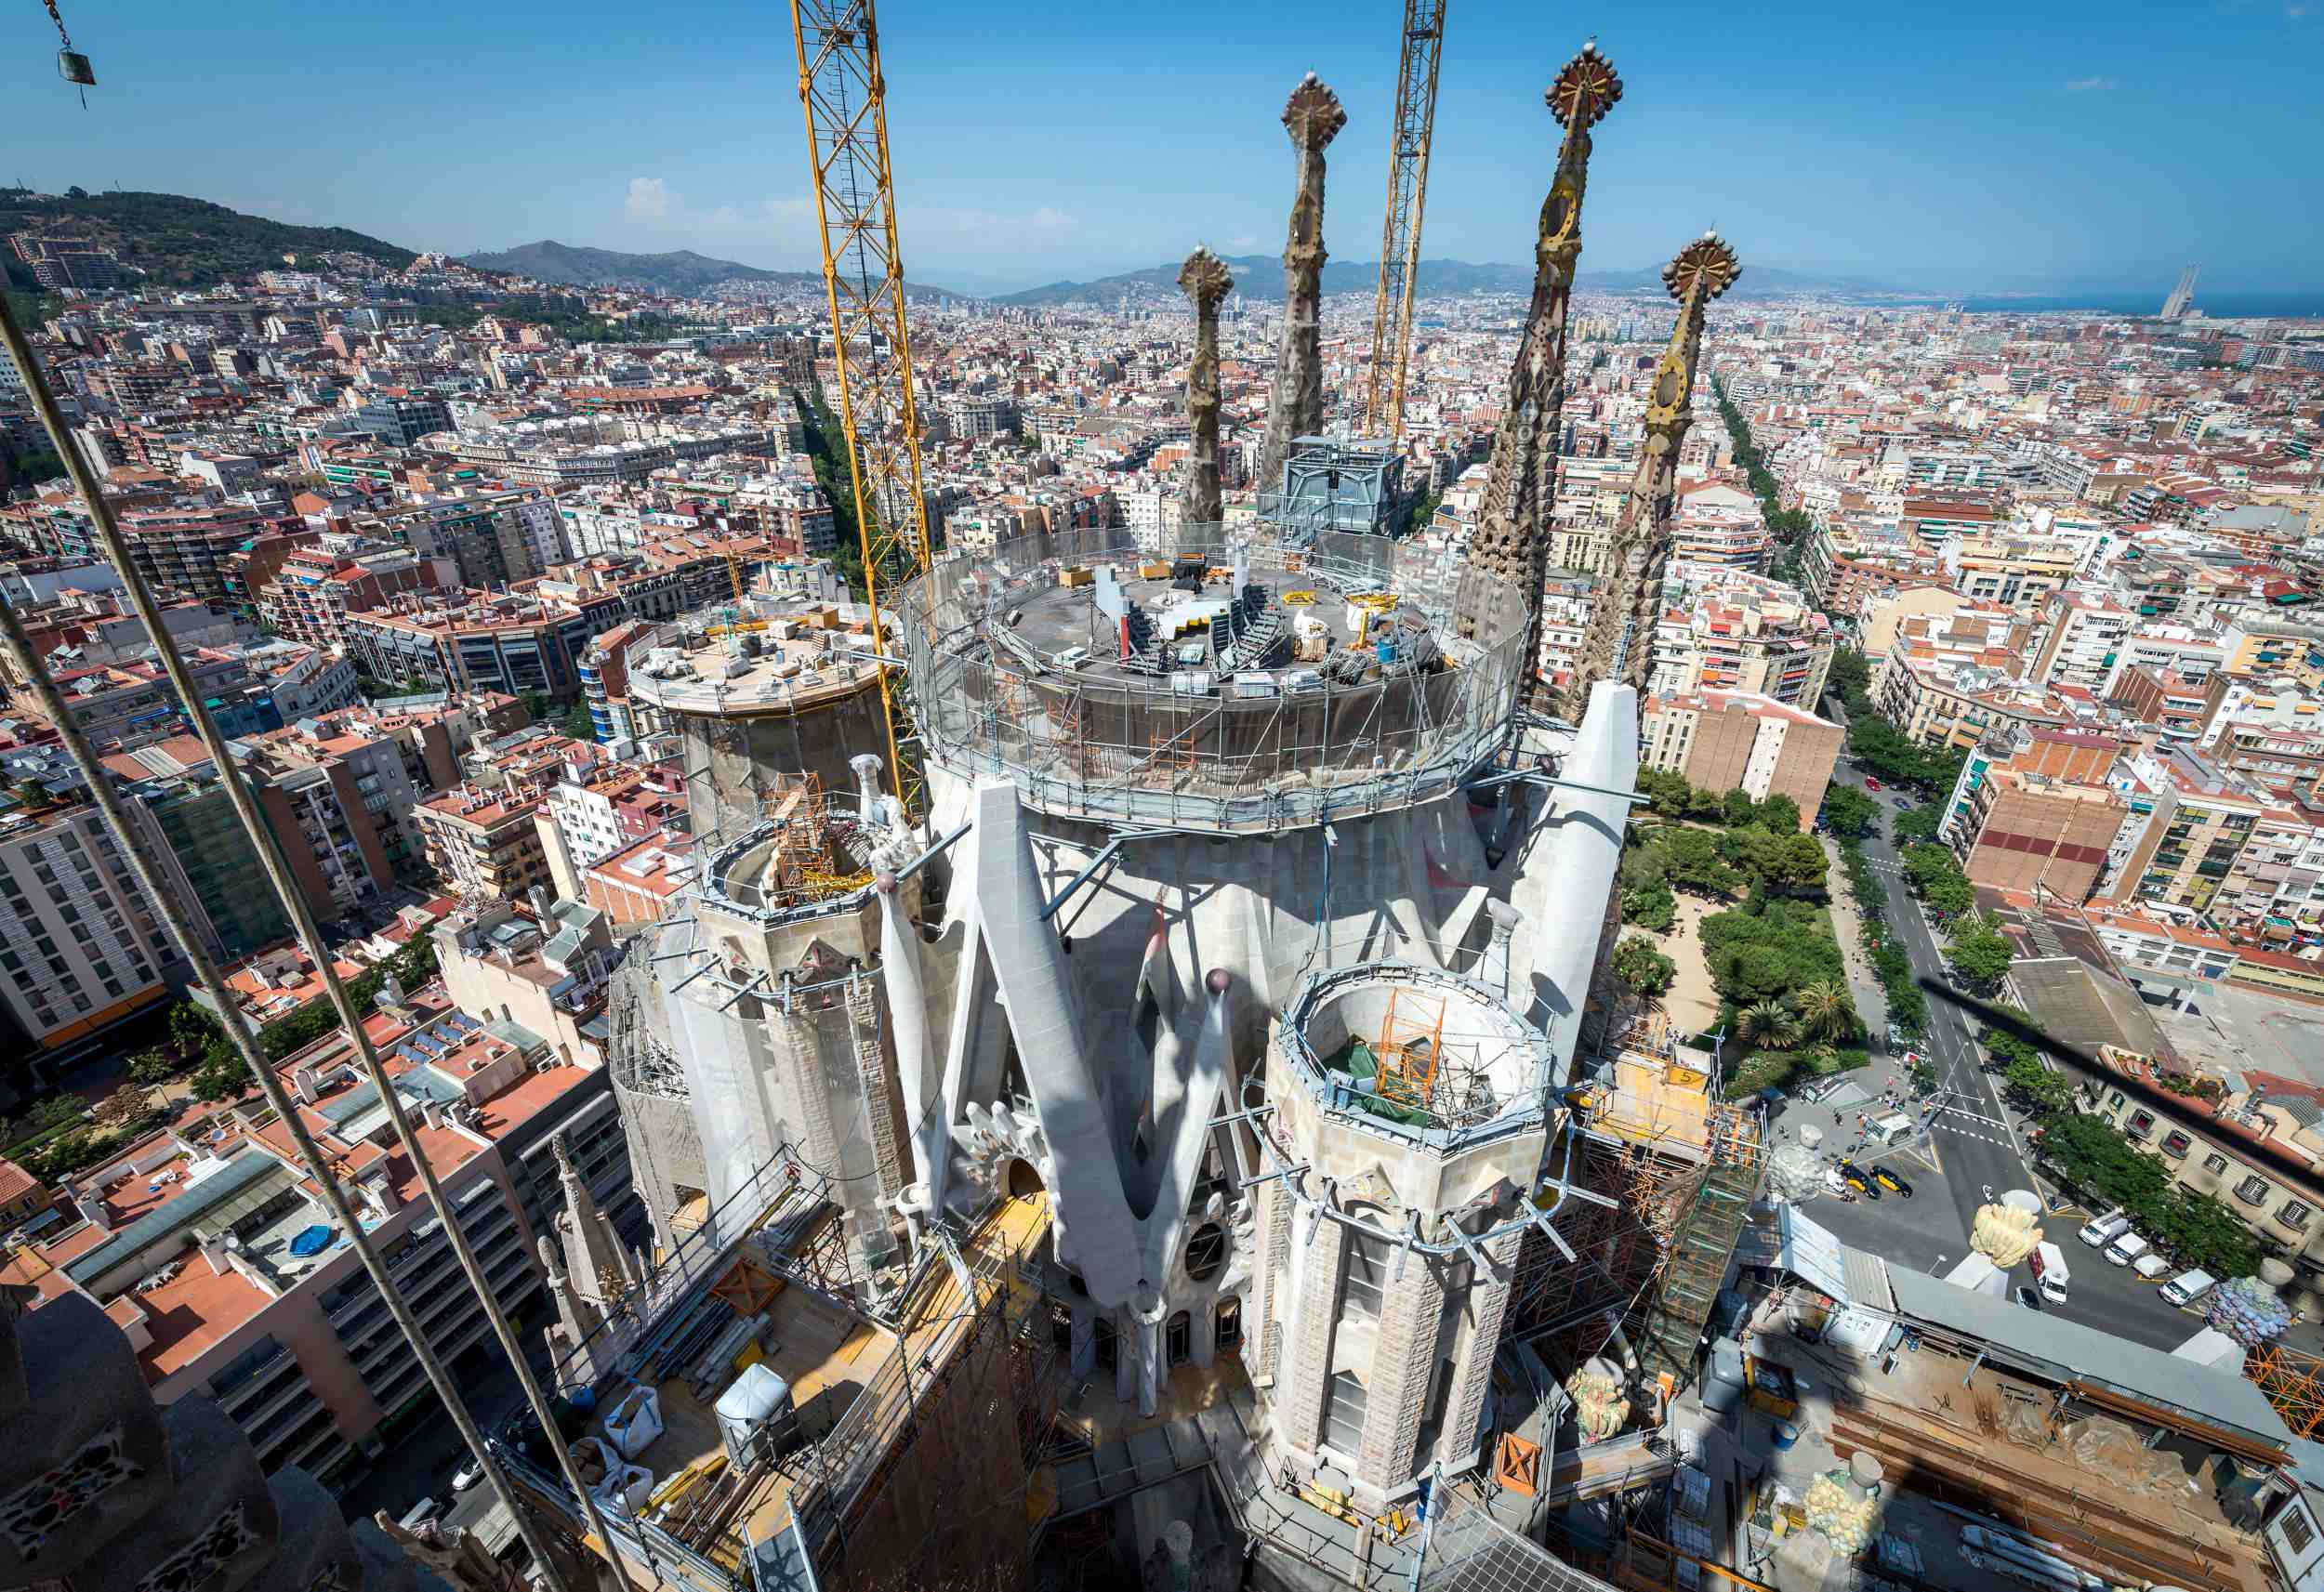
{"points": [[2215, 307]]}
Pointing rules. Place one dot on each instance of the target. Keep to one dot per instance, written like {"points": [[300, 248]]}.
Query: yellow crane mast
{"points": [[1400, 234], [844, 97]]}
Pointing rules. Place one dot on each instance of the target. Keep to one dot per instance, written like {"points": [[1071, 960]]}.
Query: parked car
{"points": [[2127, 1246], [467, 1476], [2099, 1231], [1871, 783], [2048, 1262], [1891, 1182], [2028, 1298], [2188, 1287], [2151, 1268]]}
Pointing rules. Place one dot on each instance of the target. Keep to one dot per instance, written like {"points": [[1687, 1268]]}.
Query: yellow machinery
{"points": [[844, 97], [1400, 232]]}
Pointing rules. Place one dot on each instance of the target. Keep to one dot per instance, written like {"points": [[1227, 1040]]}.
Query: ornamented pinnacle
{"points": [[1521, 484], [1313, 115], [1206, 281], [1629, 600], [1295, 405]]}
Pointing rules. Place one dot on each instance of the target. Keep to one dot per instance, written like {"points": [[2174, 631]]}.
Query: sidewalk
{"points": [[1871, 1000]]}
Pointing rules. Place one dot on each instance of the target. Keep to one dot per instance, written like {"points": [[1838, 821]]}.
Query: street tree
{"points": [[2036, 1087], [1850, 812], [1981, 953]]}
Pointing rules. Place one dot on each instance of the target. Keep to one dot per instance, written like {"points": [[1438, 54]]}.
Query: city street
{"points": [[1974, 1140]]}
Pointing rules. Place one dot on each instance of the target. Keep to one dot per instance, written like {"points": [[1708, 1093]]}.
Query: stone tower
{"points": [[1520, 485], [1205, 281], [1295, 406], [1619, 645], [102, 1490]]}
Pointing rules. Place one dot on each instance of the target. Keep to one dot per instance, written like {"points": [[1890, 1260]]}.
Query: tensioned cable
{"points": [[311, 939]]}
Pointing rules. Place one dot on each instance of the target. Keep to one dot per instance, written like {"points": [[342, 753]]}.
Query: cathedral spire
{"points": [[1295, 407], [1628, 601], [1205, 281], [1513, 537], [600, 1268]]}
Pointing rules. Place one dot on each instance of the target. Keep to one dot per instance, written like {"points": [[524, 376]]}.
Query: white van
{"points": [[2188, 1287], [2099, 1231], [2049, 1269], [2126, 1248], [2151, 1268], [1890, 1128]]}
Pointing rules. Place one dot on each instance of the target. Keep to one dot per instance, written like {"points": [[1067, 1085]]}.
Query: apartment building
{"points": [[1729, 630], [1746, 741], [2276, 873], [197, 1242], [480, 837], [2274, 648], [182, 551], [475, 642], [79, 948], [133, 701], [2084, 641], [1718, 525], [599, 807], [2175, 708], [2203, 819], [635, 884], [2009, 570], [2207, 1146], [2024, 831], [1938, 615], [1946, 702], [312, 594], [1850, 566]]}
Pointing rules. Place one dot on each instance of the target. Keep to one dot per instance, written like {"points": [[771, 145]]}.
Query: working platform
{"points": [[1226, 683]]}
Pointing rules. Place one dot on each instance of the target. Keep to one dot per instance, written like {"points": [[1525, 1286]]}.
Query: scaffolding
{"points": [[2294, 1382], [1411, 1044], [1404, 719], [1680, 1171]]}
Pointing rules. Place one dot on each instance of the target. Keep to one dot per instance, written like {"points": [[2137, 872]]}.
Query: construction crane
{"points": [[1400, 234], [845, 99]]}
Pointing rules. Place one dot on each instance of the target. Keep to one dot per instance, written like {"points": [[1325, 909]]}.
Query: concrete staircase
{"points": [[103, 1491]]}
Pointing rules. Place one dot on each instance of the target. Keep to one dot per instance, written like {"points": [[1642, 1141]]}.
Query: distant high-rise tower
{"points": [[2182, 295]]}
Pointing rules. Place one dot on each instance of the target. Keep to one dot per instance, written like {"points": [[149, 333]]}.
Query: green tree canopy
{"points": [[1650, 906], [1848, 811], [2006, 1046], [1691, 861], [2037, 1087], [1919, 823], [1849, 672], [1980, 954], [1644, 968], [1825, 1008]]}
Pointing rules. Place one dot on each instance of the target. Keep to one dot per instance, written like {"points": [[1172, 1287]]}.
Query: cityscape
{"points": [[1273, 921]]}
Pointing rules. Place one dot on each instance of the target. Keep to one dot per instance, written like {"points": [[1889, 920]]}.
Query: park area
{"points": [[1737, 935]]}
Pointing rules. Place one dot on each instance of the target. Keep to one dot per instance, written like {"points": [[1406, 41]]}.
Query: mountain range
{"points": [[179, 242], [680, 273], [1260, 277]]}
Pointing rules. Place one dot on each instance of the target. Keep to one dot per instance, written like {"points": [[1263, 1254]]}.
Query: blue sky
{"points": [[1970, 146]]}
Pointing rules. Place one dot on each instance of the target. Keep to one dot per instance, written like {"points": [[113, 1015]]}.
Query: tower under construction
{"points": [[1205, 1091]]}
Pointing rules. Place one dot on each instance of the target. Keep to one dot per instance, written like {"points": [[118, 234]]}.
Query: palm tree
{"points": [[1768, 1023], [1824, 1009]]}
